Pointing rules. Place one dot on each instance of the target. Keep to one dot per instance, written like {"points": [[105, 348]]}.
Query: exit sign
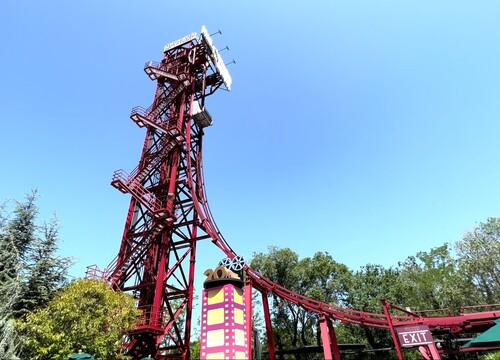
{"points": [[414, 335]]}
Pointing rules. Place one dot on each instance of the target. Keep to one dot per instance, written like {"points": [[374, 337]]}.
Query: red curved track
{"points": [[464, 322], [169, 213]]}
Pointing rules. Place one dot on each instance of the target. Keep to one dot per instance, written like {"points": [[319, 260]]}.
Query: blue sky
{"points": [[367, 129]]}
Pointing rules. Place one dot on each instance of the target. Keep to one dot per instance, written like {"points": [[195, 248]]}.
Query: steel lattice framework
{"points": [[168, 214]]}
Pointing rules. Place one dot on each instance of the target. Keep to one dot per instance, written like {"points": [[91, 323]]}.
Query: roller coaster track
{"points": [[169, 213], [464, 322]]}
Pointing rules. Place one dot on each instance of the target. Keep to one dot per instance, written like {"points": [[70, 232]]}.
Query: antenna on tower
{"points": [[231, 62], [217, 32], [224, 48]]}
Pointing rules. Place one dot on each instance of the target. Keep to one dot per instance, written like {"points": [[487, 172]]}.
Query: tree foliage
{"points": [[21, 227], [85, 313], [280, 265], [40, 271], [319, 277], [46, 272], [479, 258], [434, 282], [369, 285], [9, 291]]}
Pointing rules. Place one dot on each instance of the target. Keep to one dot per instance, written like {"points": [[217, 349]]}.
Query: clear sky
{"points": [[367, 129]]}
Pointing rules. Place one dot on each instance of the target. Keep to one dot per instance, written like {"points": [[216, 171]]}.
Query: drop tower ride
{"points": [[168, 212]]}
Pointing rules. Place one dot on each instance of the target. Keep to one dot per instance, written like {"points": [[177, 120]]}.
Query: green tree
{"points": [[491, 356], [194, 349], [85, 313], [280, 265], [21, 226], [324, 279], [319, 277], [45, 272], [479, 258], [369, 285], [9, 292], [436, 282], [40, 272]]}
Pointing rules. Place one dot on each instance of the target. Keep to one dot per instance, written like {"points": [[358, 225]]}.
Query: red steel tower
{"points": [[168, 211], [168, 214]]}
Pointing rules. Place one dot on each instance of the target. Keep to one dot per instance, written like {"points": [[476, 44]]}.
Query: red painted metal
{"points": [[169, 213], [325, 339], [248, 314], [433, 351], [333, 340], [385, 307], [269, 329], [329, 339]]}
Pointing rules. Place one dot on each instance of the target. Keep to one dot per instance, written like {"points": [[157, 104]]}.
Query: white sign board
{"points": [[180, 42], [216, 58]]}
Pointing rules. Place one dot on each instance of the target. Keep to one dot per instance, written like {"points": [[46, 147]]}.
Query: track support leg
{"points": [[269, 329], [329, 339]]}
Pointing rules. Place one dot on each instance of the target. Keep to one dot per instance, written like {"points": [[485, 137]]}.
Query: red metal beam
{"points": [[385, 306], [269, 328], [329, 340], [248, 314]]}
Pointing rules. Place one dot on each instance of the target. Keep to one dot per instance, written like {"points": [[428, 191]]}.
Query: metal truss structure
{"points": [[168, 214]]}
